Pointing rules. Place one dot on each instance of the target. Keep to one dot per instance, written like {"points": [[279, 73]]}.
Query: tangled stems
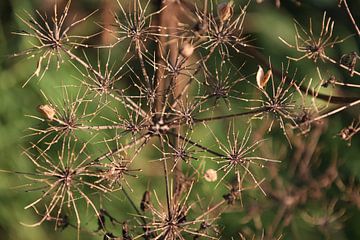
{"points": [[160, 101]]}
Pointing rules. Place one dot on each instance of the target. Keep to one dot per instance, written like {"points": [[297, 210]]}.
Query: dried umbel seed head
{"points": [[47, 111], [225, 10], [187, 49], [261, 78], [210, 175], [350, 60]]}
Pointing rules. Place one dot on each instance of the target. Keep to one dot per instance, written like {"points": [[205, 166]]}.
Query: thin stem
{"points": [[342, 66], [351, 17], [142, 64], [197, 145], [166, 173], [134, 206], [144, 138], [335, 111], [259, 110]]}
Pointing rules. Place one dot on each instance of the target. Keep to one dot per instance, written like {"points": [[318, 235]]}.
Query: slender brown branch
{"points": [[258, 110], [351, 16]]}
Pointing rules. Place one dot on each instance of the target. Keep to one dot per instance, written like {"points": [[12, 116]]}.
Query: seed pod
{"points": [[187, 49], [262, 79], [225, 10], [210, 175], [145, 201], [47, 111]]}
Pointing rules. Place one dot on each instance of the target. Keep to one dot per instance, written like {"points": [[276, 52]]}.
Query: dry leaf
{"points": [[225, 10], [47, 111], [262, 79]]}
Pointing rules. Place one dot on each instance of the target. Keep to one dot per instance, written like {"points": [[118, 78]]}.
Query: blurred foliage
{"points": [[265, 22]]}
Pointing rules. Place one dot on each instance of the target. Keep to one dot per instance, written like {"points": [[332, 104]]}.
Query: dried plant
{"points": [[175, 104]]}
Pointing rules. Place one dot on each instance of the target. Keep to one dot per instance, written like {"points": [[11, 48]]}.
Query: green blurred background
{"points": [[264, 21]]}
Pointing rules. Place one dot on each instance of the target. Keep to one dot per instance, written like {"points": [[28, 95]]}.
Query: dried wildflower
{"points": [[185, 111], [221, 85], [63, 180], [135, 25], [51, 39], [210, 175], [160, 105], [101, 80], [112, 175], [172, 221], [312, 46], [237, 154], [184, 150], [280, 100], [70, 114], [225, 35]]}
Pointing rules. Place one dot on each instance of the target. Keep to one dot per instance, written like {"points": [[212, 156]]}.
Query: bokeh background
{"points": [[264, 21]]}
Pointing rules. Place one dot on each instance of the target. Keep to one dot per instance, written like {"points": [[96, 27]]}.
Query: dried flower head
{"points": [[63, 181], [314, 47], [51, 38]]}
